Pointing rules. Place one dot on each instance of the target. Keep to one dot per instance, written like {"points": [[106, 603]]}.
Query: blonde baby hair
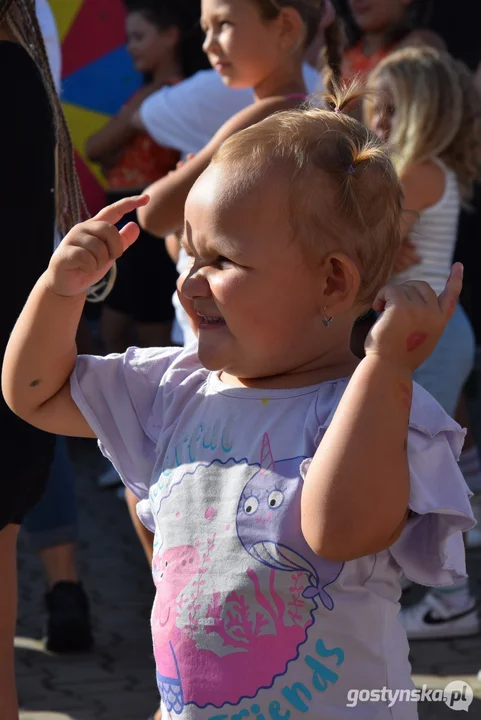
{"points": [[437, 112], [344, 192]]}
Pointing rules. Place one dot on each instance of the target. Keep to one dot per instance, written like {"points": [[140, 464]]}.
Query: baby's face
{"points": [[248, 290]]}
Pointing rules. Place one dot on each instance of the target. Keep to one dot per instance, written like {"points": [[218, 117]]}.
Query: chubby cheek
{"points": [[232, 293], [250, 309]]}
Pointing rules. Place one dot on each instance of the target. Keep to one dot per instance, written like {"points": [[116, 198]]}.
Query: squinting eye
{"points": [[221, 260]]}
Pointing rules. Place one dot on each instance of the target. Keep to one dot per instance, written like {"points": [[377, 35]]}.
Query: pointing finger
{"points": [[114, 213]]}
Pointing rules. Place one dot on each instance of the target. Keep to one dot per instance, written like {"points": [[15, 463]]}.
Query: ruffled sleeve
{"points": [[430, 550]]}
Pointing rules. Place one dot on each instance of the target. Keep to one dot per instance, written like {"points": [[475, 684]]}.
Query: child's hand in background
{"points": [[90, 249], [412, 320]]}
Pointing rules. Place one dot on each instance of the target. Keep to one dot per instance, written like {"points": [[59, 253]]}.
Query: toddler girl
{"points": [[288, 485], [257, 44], [427, 110]]}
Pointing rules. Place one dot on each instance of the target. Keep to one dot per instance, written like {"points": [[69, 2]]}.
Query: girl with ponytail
{"points": [[251, 43]]}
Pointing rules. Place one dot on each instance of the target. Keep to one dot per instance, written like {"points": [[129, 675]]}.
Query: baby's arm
{"points": [[356, 492], [42, 352], [165, 212]]}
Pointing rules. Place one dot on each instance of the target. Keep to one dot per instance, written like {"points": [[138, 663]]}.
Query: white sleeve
{"points": [[48, 26], [187, 115]]}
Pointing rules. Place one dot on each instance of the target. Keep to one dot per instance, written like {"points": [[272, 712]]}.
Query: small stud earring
{"points": [[327, 320]]}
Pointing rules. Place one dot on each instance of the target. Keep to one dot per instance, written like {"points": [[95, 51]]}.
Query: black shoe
{"points": [[68, 624]]}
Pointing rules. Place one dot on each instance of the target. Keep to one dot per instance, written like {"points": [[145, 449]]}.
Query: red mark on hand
{"points": [[415, 340], [405, 395]]}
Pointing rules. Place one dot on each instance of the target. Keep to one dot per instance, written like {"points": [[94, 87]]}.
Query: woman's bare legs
{"points": [[60, 564], [8, 617]]}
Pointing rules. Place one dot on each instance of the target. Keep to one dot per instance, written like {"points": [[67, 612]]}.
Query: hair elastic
{"points": [[351, 169]]}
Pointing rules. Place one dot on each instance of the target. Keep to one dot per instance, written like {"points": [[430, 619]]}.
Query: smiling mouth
{"points": [[221, 64], [211, 321]]}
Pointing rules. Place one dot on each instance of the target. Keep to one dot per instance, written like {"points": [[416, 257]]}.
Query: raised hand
{"points": [[412, 320], [90, 249]]}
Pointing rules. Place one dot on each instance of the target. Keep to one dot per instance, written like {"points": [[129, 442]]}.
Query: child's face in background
{"points": [[383, 112], [378, 15], [248, 290], [149, 46], [240, 45]]}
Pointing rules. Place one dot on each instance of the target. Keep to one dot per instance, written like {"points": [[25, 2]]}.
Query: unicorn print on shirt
{"points": [[265, 526], [238, 588]]}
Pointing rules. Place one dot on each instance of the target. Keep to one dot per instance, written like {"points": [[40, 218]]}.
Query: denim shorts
{"points": [[447, 369], [53, 521]]}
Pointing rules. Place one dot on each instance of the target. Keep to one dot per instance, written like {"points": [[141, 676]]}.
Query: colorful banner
{"points": [[97, 77]]}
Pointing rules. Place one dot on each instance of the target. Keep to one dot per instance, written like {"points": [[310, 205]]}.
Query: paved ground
{"points": [[116, 682]]}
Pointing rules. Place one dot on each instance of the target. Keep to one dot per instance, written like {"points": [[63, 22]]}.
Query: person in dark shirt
{"points": [[37, 157]]}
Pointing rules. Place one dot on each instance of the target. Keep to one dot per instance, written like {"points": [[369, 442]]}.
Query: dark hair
{"points": [[417, 15], [183, 14], [312, 11], [21, 18]]}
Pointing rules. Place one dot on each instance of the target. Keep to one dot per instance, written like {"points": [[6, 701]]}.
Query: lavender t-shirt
{"points": [[248, 622]]}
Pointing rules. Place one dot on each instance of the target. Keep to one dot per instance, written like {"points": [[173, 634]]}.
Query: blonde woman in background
{"points": [[426, 108]]}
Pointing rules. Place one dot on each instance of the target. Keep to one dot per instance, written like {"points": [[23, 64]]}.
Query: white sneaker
{"points": [[109, 478], [431, 619]]}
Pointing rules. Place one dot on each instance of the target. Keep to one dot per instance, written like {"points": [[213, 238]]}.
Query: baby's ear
{"points": [[342, 282]]}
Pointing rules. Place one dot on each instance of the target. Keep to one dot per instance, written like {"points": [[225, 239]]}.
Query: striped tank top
{"points": [[434, 236]]}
